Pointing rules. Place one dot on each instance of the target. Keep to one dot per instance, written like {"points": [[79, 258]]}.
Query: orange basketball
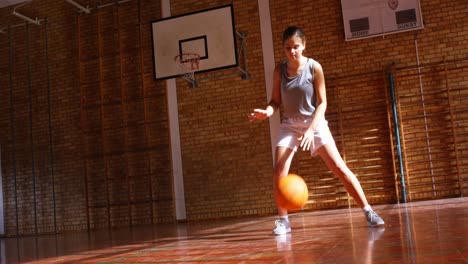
{"points": [[292, 192]]}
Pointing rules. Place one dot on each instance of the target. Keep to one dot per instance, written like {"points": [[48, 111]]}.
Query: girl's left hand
{"points": [[307, 140]]}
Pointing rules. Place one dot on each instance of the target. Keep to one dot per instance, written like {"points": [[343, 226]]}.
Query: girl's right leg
{"points": [[283, 159]]}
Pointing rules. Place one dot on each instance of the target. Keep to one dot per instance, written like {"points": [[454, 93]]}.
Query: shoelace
{"points": [[279, 222], [371, 215]]}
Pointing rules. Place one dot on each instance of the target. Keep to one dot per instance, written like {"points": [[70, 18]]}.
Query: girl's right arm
{"points": [[275, 101]]}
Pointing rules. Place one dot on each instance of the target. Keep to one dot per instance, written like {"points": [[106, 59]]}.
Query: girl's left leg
{"points": [[332, 158]]}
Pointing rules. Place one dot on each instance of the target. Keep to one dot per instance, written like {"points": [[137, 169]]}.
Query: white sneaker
{"points": [[281, 227], [373, 219]]}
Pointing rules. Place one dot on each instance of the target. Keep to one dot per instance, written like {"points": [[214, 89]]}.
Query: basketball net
{"points": [[188, 63]]}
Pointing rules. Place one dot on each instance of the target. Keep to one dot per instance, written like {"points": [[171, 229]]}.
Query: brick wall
{"points": [[101, 156]]}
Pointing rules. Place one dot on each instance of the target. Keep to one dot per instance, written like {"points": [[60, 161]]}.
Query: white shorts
{"points": [[291, 129]]}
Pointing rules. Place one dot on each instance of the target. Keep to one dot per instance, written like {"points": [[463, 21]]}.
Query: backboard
{"points": [[210, 33]]}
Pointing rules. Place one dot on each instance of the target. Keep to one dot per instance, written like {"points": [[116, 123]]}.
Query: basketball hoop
{"points": [[188, 64]]}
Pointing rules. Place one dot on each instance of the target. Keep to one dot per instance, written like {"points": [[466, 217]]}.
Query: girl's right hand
{"points": [[257, 114]]}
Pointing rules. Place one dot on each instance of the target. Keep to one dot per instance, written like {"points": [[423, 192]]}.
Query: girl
{"points": [[299, 86]]}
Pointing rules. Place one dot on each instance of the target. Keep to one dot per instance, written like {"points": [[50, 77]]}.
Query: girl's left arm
{"points": [[307, 140], [320, 94]]}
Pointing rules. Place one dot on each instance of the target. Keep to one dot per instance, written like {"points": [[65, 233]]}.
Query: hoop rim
{"points": [[188, 62], [192, 56]]}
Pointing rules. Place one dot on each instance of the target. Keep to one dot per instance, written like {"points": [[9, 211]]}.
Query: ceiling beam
{"points": [[82, 8]]}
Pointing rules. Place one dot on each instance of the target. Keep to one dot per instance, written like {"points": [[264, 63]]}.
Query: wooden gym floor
{"points": [[418, 232]]}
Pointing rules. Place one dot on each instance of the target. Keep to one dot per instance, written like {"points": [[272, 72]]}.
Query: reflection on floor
{"points": [[420, 232]]}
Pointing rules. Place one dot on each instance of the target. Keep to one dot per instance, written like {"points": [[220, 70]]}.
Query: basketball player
{"points": [[299, 86]]}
